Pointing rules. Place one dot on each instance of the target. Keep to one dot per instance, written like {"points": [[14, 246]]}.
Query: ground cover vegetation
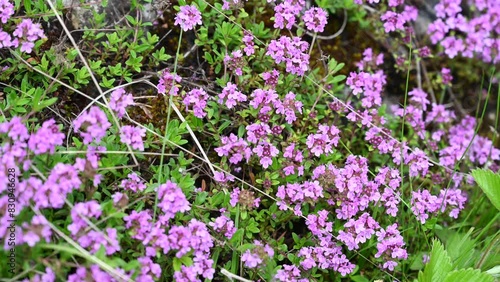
{"points": [[259, 140]]}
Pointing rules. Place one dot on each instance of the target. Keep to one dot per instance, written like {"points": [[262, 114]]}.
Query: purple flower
{"points": [[149, 270], [198, 98], [171, 199], [328, 256], [224, 225], [235, 148], [133, 183], [446, 76], [235, 62], [92, 125], [90, 209], [291, 51], [315, 19], [248, 42], [266, 151], [271, 78], [63, 179], [257, 132], [254, 257], [167, 83], [288, 107], [231, 96], [188, 17], [6, 10], [132, 135], [358, 231], [286, 12], [119, 101], [6, 40], [323, 140], [46, 138], [390, 246], [27, 32], [392, 21], [452, 46], [289, 273], [37, 229]]}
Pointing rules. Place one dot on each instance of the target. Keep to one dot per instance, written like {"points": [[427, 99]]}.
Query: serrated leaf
{"points": [[489, 182], [439, 265], [468, 275]]}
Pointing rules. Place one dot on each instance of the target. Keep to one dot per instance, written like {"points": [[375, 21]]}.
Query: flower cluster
{"points": [[318, 224], [119, 101], [265, 151], [289, 273], [92, 125], [235, 148], [245, 198], [235, 62], [93, 239], [230, 96], [315, 19], [254, 257], [171, 199], [326, 256], [46, 138], [424, 203], [248, 42], [370, 84], [286, 13], [370, 61], [390, 246], [168, 83], [291, 51], [358, 231], [294, 158], [295, 193], [96, 274], [7, 10], [459, 137], [133, 183], [323, 141], [198, 99], [36, 230], [188, 17], [288, 107], [132, 135], [25, 34], [474, 37], [224, 225]]}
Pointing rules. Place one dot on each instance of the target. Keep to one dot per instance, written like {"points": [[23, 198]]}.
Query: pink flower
{"points": [[188, 17], [92, 125], [231, 96], [266, 151], [6, 10], [315, 19], [132, 135], [119, 101], [167, 83], [198, 98], [46, 138]]}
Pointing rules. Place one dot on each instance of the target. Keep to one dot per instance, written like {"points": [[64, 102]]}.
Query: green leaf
{"points": [[468, 275], [489, 183], [177, 263], [439, 265]]}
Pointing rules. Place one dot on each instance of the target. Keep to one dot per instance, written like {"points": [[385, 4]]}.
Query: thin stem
{"points": [[160, 170]]}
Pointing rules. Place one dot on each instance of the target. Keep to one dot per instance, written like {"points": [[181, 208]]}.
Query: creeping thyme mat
{"points": [[257, 140]]}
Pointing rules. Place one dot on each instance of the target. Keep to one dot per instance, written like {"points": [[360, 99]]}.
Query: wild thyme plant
{"points": [[250, 152]]}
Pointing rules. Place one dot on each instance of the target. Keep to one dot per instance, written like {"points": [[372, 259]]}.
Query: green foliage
{"points": [[489, 182], [440, 268]]}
